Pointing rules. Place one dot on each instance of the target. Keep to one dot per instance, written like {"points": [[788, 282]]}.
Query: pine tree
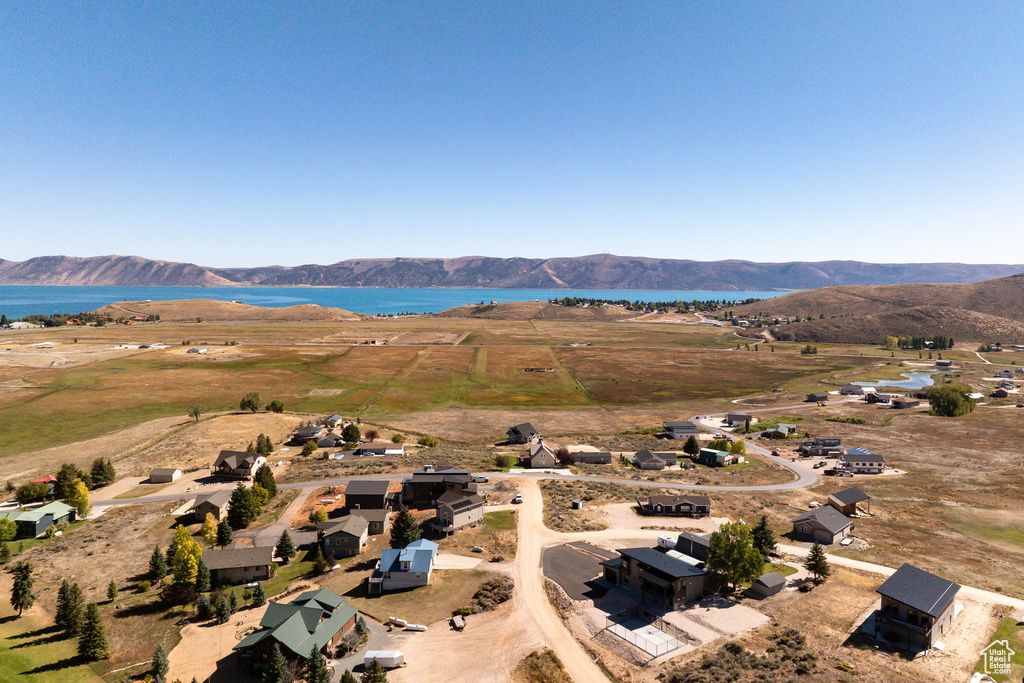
{"points": [[276, 667], [92, 642], [22, 596], [817, 563], [5, 553], [204, 610], [285, 547], [202, 576], [60, 614], [361, 628], [405, 530], [692, 446], [223, 611], [259, 596], [233, 601], [209, 532], [75, 610], [764, 539], [112, 590], [157, 565], [242, 509], [265, 477], [374, 673], [315, 670], [161, 664], [224, 534], [347, 677]]}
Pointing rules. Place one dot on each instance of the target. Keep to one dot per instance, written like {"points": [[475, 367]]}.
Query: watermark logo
{"points": [[998, 656]]}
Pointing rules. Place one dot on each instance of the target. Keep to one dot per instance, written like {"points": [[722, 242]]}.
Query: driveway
{"points": [[574, 570]]}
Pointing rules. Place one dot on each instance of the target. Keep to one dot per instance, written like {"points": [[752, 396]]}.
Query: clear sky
{"points": [[243, 134]]}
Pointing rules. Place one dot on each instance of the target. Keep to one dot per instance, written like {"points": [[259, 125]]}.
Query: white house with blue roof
{"points": [[409, 567]]}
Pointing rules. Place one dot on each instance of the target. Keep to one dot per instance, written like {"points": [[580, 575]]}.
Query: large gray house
{"points": [[917, 608], [826, 525]]}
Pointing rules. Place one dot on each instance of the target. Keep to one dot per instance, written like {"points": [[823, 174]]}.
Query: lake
{"points": [[21, 300], [914, 381]]}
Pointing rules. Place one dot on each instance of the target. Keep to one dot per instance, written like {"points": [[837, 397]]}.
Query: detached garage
{"points": [[767, 585], [164, 475]]}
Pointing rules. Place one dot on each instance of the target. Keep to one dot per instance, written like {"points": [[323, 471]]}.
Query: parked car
{"points": [[775, 453], [480, 480], [820, 464], [518, 498]]}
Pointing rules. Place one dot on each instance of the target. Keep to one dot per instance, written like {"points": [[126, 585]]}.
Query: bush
{"points": [[489, 596], [429, 441], [397, 438], [144, 586], [309, 447]]}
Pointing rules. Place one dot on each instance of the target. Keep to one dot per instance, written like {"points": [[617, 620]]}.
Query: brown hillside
{"points": [[208, 309], [957, 323], [537, 310]]}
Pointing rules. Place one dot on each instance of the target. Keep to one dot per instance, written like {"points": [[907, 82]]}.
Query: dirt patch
{"points": [[542, 666], [330, 498]]}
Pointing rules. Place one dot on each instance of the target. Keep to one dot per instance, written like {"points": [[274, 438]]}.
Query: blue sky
{"points": [[243, 134]]}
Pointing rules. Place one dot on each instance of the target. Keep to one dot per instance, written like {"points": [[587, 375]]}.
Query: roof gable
{"points": [[826, 516], [919, 590]]}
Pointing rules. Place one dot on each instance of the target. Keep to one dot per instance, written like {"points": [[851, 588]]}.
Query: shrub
{"points": [[429, 441], [144, 586], [397, 438]]}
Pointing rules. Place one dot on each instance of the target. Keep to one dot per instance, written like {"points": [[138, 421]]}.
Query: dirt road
{"points": [[530, 582]]}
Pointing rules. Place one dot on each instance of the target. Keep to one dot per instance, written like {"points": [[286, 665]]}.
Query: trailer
{"points": [[458, 622], [415, 627], [389, 659]]}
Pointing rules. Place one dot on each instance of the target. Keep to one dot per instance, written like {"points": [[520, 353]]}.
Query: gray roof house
{"points": [[682, 430], [370, 494], [646, 460], [825, 524], [694, 545], [343, 537], [847, 500], [917, 609], [409, 567], [591, 458], [862, 461], [818, 397], [852, 390], [215, 503], [232, 566], [664, 579], [767, 585], [164, 475], [736, 419], [238, 464], [522, 433], [539, 455]]}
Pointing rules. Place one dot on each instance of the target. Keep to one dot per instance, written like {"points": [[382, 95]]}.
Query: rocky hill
{"points": [[984, 311], [599, 271]]}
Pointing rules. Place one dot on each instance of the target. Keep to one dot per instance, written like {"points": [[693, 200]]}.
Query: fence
{"points": [[646, 631]]}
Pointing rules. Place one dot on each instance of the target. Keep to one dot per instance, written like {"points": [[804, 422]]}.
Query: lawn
{"points": [[33, 651], [448, 590], [783, 569], [502, 520], [1013, 633]]}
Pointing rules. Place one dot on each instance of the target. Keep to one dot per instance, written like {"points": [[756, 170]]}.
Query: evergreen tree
{"points": [[66, 476], [817, 564], [157, 565], [22, 596], [75, 610], [224, 534], [285, 547], [204, 610], [242, 508], [161, 664], [60, 614], [202, 576], [764, 539], [405, 530], [361, 628], [209, 531], [692, 446], [347, 677], [233, 601], [92, 641], [223, 611], [315, 670], [276, 667], [5, 553], [265, 477], [112, 590], [374, 673], [259, 596]]}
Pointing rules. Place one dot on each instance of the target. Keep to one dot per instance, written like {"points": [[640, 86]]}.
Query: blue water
{"points": [[21, 300], [914, 381]]}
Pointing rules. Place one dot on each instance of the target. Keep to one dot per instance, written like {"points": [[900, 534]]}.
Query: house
{"points": [[316, 619], [311, 433], [369, 494], [878, 398], [49, 480], [818, 397], [676, 506], [540, 455], [1006, 384], [767, 585], [862, 461], [591, 458], [852, 390], [522, 433], [333, 421], [238, 465], [847, 501], [780, 431], [428, 484], [943, 363], [917, 608], [377, 521], [457, 510], [331, 441], [824, 525], [737, 419], [821, 447], [694, 545], [164, 475], [198, 349], [713, 458], [381, 448], [34, 523], [215, 503], [1000, 393], [21, 325], [1003, 374], [682, 430], [902, 403], [647, 460], [343, 537], [232, 566], [667, 580], [409, 567]]}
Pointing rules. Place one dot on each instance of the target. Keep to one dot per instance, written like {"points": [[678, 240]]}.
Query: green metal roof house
{"points": [[317, 619], [33, 523]]}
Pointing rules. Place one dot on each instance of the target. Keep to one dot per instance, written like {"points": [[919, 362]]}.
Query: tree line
{"points": [[659, 306]]}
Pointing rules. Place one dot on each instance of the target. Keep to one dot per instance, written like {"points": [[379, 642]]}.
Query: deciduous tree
{"points": [[196, 411], [351, 433], [251, 402], [79, 498], [8, 530], [209, 530], [732, 556]]}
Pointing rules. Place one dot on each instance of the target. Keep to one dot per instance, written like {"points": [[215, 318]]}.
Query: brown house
{"points": [[676, 506], [238, 464], [377, 521], [215, 503], [232, 566], [540, 455], [343, 537], [917, 608]]}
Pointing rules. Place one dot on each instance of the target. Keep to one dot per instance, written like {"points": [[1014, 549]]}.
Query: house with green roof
{"points": [[34, 523], [319, 618]]}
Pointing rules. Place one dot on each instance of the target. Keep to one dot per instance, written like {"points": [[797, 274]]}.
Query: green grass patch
{"points": [[502, 520], [847, 419], [33, 651], [276, 508], [1014, 635], [782, 569]]}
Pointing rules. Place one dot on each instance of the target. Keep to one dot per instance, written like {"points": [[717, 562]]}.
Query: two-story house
{"points": [[917, 608]]}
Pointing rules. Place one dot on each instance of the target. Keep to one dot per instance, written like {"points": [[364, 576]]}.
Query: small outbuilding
{"points": [[768, 584], [852, 390], [164, 475], [848, 500], [818, 397]]}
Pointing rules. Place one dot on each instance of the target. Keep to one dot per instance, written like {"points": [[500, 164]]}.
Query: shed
{"points": [[164, 475], [766, 585], [577, 503], [389, 659], [847, 500], [818, 397]]}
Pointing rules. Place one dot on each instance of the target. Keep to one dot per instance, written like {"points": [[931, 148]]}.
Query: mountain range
{"points": [[599, 271]]}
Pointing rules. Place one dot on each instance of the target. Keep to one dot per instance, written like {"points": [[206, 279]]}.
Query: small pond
{"points": [[915, 380]]}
